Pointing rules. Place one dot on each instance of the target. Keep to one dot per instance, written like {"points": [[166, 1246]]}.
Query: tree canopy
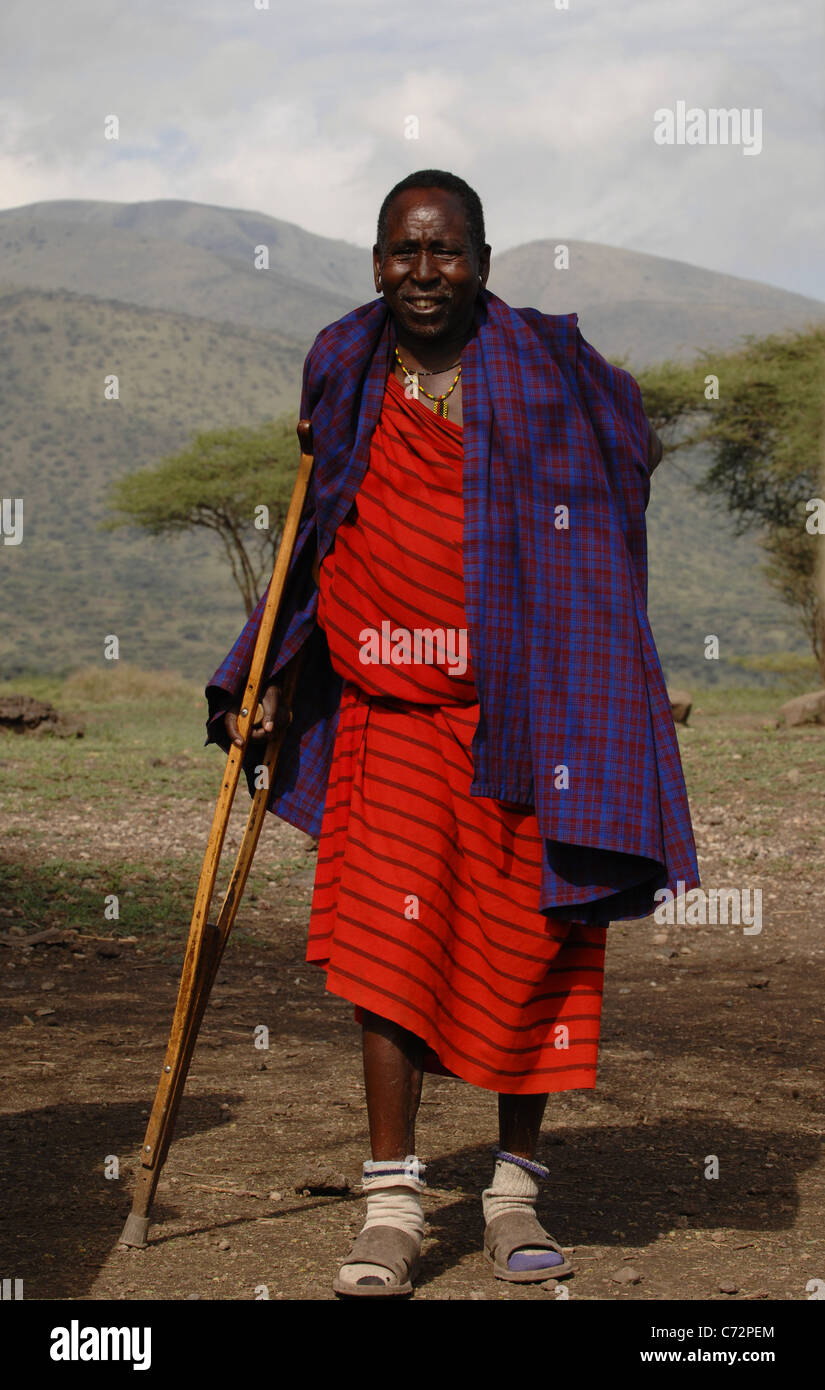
{"points": [[765, 433], [235, 482]]}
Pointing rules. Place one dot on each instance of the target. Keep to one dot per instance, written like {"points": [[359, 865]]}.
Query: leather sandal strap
{"points": [[512, 1230], [388, 1247]]}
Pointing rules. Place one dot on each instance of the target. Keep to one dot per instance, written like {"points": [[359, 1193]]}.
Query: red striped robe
{"points": [[425, 906]]}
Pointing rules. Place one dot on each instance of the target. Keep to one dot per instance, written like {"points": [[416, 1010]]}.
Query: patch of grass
{"points": [[144, 734], [736, 700], [114, 681], [154, 898]]}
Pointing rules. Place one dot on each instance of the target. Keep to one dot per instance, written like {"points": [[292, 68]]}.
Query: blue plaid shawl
{"points": [[575, 719]]}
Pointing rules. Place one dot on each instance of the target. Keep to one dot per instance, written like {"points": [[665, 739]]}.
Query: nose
{"points": [[423, 269]]}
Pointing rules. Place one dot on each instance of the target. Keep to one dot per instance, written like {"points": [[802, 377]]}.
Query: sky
{"points": [[311, 110]]}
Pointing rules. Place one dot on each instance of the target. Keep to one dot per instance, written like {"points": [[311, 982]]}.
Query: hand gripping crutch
{"points": [[206, 942]]}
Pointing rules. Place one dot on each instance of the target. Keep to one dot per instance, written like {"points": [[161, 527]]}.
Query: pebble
{"points": [[223, 1244], [728, 1287], [276, 1196], [626, 1275]]}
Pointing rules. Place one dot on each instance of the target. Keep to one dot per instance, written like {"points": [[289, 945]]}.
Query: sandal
{"points": [[519, 1230], [390, 1248]]}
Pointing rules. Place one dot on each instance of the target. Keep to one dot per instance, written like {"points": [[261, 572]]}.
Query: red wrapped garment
{"points": [[425, 907]]}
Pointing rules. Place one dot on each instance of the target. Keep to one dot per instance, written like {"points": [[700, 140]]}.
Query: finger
{"points": [[231, 723], [270, 707]]}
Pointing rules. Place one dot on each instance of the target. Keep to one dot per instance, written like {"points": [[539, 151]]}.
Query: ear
{"points": [[484, 263], [376, 267]]}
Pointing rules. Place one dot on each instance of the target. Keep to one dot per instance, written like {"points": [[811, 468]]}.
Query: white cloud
{"points": [[298, 112]]}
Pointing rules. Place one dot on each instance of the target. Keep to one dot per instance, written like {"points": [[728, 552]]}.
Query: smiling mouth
{"points": [[424, 301]]}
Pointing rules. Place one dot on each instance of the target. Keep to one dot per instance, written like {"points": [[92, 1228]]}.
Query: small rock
{"points": [[223, 1244], [191, 1297], [804, 709], [718, 1237], [626, 1275], [325, 1183], [761, 982], [276, 1196], [660, 938], [728, 1287], [680, 705]]}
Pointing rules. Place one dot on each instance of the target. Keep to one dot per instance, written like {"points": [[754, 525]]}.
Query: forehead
{"points": [[426, 213]]}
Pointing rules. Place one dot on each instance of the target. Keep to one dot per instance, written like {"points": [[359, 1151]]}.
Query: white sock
{"points": [[392, 1189], [513, 1189]]}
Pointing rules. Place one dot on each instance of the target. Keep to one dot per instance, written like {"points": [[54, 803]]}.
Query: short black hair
{"points": [[450, 183]]}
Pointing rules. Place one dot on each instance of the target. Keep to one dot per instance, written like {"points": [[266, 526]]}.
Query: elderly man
{"points": [[481, 735]]}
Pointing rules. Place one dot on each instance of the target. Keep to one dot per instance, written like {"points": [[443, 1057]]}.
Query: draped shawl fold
{"points": [[574, 715]]}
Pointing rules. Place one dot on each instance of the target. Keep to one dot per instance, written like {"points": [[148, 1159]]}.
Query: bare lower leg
{"points": [[519, 1123], [392, 1077]]}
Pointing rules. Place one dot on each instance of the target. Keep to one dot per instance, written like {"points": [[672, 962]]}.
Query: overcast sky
{"points": [[299, 111]]}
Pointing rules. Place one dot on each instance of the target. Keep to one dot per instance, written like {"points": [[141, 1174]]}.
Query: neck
{"points": [[432, 354]]}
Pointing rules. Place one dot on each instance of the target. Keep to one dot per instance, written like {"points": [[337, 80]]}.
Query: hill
{"points": [[198, 260], [165, 296], [68, 584]]}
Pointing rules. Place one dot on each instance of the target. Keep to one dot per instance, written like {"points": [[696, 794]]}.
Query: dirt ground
{"points": [[712, 1045]]}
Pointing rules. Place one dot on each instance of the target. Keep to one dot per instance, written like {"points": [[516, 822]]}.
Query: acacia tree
{"points": [[235, 482], [765, 432]]}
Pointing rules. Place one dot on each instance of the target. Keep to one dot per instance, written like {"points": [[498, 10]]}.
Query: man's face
{"points": [[429, 274]]}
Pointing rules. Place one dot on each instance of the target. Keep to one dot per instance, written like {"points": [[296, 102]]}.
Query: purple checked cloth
{"points": [[574, 715]]}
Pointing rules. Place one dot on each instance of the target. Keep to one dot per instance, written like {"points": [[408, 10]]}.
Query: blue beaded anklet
{"points": [[538, 1170]]}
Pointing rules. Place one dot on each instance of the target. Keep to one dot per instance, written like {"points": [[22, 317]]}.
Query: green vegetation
{"points": [[173, 606], [765, 434], [127, 808], [226, 482], [69, 584]]}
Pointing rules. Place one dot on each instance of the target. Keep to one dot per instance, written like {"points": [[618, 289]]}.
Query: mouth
{"points": [[425, 303]]}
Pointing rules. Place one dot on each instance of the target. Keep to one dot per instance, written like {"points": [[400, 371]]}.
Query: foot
{"points": [[520, 1250], [383, 1262]]}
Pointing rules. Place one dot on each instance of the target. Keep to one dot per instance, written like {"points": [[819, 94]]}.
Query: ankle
{"points": [[515, 1185]]}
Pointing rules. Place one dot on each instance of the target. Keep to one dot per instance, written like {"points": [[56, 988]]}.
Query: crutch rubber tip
{"points": [[134, 1232]]}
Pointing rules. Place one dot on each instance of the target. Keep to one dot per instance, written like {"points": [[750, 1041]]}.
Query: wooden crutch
{"points": [[206, 942]]}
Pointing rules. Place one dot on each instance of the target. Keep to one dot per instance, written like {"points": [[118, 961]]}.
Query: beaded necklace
{"points": [[411, 379]]}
